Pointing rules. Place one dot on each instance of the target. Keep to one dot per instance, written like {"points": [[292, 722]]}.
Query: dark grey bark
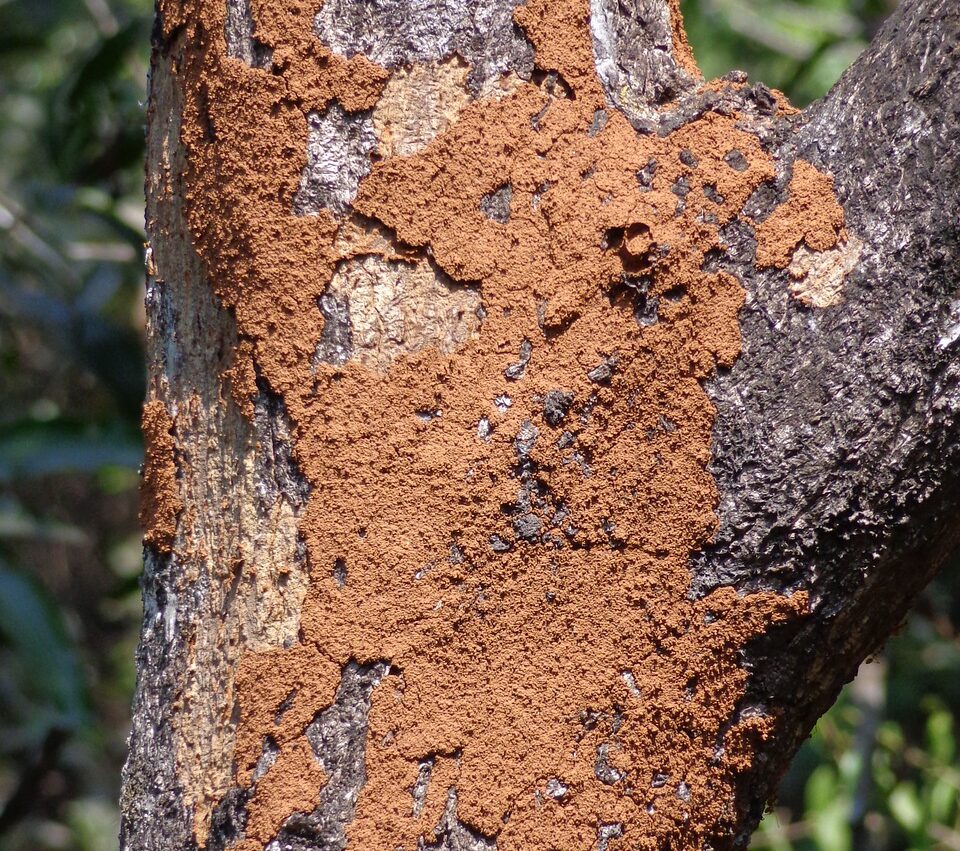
{"points": [[837, 442]]}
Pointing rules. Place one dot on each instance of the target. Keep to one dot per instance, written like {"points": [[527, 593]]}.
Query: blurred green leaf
{"points": [[40, 656], [906, 807], [16, 523], [940, 741], [111, 351], [771, 834], [95, 825], [94, 120], [827, 810], [798, 46], [942, 803], [29, 448]]}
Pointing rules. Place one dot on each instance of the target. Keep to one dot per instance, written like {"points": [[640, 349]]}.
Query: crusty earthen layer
{"points": [[506, 521]]}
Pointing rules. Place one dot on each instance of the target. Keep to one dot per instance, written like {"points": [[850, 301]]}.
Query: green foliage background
{"points": [[880, 772]]}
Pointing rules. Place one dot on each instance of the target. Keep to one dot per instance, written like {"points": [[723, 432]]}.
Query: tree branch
{"points": [[837, 442]]}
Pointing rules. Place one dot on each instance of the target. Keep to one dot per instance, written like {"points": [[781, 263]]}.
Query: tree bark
{"points": [[538, 437]]}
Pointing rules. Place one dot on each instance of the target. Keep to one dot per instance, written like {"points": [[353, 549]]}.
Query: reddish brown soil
{"points": [[811, 216], [513, 667], [159, 496]]}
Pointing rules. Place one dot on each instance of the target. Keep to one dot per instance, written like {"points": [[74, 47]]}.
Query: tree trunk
{"points": [[538, 437]]}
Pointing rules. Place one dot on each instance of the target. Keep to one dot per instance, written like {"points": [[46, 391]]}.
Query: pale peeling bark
{"points": [[835, 448], [235, 575]]}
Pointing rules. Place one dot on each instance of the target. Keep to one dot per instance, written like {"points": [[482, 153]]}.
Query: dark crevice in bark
{"points": [[338, 736], [228, 820], [453, 835], [496, 205], [279, 475], [755, 105]]}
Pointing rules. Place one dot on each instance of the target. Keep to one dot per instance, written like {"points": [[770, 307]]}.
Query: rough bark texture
{"points": [[269, 707], [236, 477], [837, 442]]}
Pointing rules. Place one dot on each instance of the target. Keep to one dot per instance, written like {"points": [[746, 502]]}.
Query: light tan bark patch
{"points": [[399, 307], [417, 104], [818, 276], [358, 236]]}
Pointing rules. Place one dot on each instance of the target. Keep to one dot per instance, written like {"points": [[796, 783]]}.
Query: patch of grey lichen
{"points": [[339, 145], [633, 54], [239, 31], [394, 33], [336, 339]]}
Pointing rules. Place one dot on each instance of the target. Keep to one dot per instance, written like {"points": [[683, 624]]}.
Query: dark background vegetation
{"points": [[882, 769]]}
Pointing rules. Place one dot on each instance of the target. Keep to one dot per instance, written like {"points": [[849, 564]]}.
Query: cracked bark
{"points": [[836, 447]]}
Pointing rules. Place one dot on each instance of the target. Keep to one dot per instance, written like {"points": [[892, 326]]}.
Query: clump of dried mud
{"points": [[505, 520]]}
